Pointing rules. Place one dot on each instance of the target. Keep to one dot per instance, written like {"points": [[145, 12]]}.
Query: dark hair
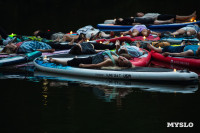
{"points": [[75, 50], [7, 50], [128, 65], [118, 22], [122, 51]]}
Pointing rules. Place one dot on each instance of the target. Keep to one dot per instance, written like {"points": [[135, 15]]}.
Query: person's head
{"points": [[9, 48], [123, 62], [122, 51], [76, 49], [119, 21], [139, 14]]}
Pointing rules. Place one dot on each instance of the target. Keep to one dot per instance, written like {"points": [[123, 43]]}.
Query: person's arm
{"points": [[156, 33], [136, 23], [186, 53], [97, 51], [102, 64], [124, 33], [46, 50]]}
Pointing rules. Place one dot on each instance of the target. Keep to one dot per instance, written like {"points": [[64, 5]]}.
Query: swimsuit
{"points": [[139, 28]]}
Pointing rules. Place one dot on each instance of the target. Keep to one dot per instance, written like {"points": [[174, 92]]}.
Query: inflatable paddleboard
{"points": [[179, 40], [18, 59], [137, 73], [181, 61], [161, 27]]}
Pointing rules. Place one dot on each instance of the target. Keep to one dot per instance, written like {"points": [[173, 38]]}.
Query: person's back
{"points": [[30, 46]]}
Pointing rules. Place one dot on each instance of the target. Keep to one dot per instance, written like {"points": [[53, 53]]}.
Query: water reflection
{"points": [[45, 91], [75, 104]]}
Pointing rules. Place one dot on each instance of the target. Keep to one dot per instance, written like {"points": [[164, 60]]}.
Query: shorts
{"points": [[166, 17], [139, 28], [144, 20], [171, 49], [188, 28], [76, 61]]}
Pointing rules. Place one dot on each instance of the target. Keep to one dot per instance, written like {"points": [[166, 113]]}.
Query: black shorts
{"points": [[76, 61], [166, 17], [144, 20]]}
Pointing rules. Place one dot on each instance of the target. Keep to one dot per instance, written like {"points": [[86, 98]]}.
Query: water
{"points": [[45, 103]]}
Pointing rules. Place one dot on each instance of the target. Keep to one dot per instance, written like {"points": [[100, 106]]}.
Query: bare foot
{"points": [[171, 20]]}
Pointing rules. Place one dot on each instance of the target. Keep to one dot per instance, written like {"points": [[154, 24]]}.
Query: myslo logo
{"points": [[180, 124]]}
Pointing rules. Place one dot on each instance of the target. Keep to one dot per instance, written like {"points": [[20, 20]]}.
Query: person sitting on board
{"points": [[138, 20], [158, 16], [127, 50], [102, 59], [139, 30], [183, 50]]}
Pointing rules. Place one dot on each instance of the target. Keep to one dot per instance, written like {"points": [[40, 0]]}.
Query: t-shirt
{"points": [[132, 50], [151, 15], [191, 47]]}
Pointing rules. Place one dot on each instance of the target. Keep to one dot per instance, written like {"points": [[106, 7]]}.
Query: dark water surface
{"points": [[42, 104]]}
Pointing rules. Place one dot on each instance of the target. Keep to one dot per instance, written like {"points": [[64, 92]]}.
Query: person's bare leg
{"points": [[103, 34], [159, 50], [67, 37], [146, 32], [58, 61], [186, 18], [178, 32], [156, 22]]}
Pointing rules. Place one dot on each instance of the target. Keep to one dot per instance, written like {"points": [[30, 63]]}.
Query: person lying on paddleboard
{"points": [[139, 30], [127, 50], [158, 16], [91, 47], [30, 46], [102, 59], [183, 50], [139, 20], [188, 30], [87, 32]]}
